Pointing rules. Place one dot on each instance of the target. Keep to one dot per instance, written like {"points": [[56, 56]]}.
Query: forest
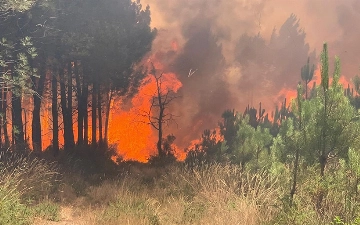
{"points": [[106, 119]]}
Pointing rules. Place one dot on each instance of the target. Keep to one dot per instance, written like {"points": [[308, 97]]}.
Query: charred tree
{"points": [[100, 115], [70, 105], [55, 115], [2, 100], [66, 111], [157, 115], [82, 107], [38, 86], [86, 113], [4, 116], [93, 114], [107, 115], [79, 96]]}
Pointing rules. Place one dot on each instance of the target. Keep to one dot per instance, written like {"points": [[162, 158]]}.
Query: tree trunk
{"points": [[25, 126], [107, 117], [79, 95], [66, 113], [160, 120], [5, 123], [99, 115], [55, 116], [86, 113], [36, 121], [93, 116], [70, 105], [18, 129], [1, 113], [2, 106]]}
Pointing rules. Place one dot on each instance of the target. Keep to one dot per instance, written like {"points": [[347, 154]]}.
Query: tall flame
{"points": [[130, 130]]}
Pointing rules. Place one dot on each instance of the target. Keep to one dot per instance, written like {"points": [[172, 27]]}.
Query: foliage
{"points": [[250, 142], [15, 5], [12, 211], [238, 142], [47, 211]]}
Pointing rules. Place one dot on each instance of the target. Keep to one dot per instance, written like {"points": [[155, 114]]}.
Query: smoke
{"points": [[229, 54]]}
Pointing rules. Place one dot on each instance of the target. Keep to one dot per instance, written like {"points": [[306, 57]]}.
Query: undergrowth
{"points": [[33, 190]]}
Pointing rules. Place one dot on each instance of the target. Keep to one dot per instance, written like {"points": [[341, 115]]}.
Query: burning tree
{"points": [[157, 114]]}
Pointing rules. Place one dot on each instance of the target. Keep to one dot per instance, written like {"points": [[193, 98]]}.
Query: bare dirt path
{"points": [[67, 217]]}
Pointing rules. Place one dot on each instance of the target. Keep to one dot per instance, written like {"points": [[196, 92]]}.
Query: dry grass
{"points": [[143, 194], [216, 194], [33, 177]]}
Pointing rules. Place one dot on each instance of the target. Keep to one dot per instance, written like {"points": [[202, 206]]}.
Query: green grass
{"points": [[47, 210], [25, 182]]}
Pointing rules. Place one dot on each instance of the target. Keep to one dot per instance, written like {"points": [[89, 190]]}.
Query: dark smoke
{"points": [[244, 52]]}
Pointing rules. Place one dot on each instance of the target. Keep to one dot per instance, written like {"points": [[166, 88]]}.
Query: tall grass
{"points": [[24, 181], [175, 194], [217, 194]]}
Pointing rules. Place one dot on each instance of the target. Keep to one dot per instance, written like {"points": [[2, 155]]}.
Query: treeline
{"points": [[74, 56], [316, 137]]}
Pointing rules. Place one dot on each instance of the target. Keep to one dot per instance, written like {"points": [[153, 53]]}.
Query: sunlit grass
{"points": [[25, 182], [30, 193]]}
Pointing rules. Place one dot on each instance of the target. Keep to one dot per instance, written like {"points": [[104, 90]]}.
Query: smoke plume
{"points": [[230, 54]]}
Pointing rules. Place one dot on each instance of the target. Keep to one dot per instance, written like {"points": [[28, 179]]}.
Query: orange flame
{"points": [[291, 94], [130, 130]]}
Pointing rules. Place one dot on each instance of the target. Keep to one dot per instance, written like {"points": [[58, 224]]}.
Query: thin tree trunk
{"points": [[1, 112], [160, 120], [36, 121], [69, 105], [2, 107], [5, 123], [107, 117], [16, 114], [86, 113], [18, 128], [25, 126], [55, 116], [93, 116], [79, 95], [68, 142], [100, 116]]}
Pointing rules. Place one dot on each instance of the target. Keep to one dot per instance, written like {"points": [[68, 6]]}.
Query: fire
{"points": [[291, 94], [288, 94], [130, 130], [317, 79], [179, 154], [215, 135]]}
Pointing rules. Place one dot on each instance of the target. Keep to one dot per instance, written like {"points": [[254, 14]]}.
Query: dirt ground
{"points": [[67, 217]]}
